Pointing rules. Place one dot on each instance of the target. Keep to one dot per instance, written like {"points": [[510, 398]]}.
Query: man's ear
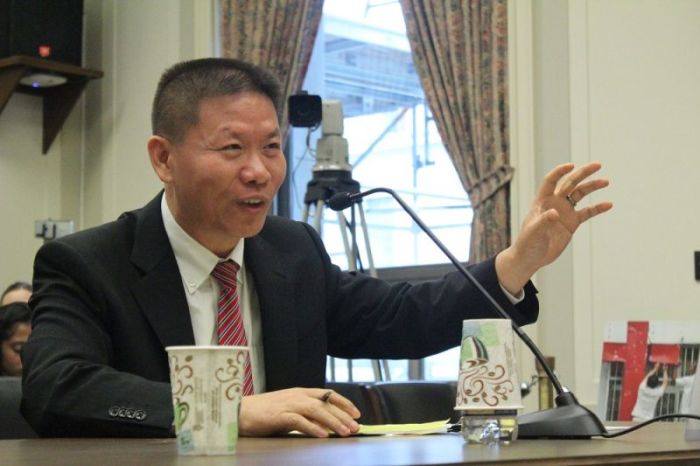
{"points": [[160, 154]]}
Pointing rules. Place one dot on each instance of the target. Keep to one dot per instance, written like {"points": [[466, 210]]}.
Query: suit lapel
{"points": [[160, 292], [161, 295], [275, 293]]}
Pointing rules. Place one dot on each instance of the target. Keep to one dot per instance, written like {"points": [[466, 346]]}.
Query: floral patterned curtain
{"points": [[276, 34], [460, 50]]}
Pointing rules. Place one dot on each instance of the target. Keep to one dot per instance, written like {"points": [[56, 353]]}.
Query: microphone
{"points": [[568, 420], [342, 201]]}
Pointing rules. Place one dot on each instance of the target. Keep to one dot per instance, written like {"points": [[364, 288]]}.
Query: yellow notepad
{"points": [[423, 428]]}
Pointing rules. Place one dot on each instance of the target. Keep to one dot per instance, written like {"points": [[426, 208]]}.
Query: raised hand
{"points": [[550, 223]]}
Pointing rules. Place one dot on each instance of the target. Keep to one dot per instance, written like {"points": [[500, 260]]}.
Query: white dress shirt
{"points": [[202, 291]]}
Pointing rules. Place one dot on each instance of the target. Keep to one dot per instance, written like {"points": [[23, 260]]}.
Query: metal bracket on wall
{"points": [[51, 229]]}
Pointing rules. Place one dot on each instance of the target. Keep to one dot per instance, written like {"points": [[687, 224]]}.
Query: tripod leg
{"points": [[376, 368], [305, 214], [384, 369], [318, 216], [365, 233], [331, 365], [387, 373], [352, 263], [353, 237]]}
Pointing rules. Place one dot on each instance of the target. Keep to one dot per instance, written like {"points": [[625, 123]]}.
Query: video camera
{"points": [[305, 110], [309, 111]]}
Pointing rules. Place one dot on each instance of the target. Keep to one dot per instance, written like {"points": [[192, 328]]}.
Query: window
{"points": [[616, 371], [689, 359], [362, 59], [685, 370], [668, 403]]}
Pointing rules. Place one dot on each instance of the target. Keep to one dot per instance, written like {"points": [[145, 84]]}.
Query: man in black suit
{"points": [[109, 300]]}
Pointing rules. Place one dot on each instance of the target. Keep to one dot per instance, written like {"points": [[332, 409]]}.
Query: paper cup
{"points": [[207, 385], [488, 377]]}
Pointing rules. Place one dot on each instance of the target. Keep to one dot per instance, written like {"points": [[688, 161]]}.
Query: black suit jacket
{"points": [[108, 300]]}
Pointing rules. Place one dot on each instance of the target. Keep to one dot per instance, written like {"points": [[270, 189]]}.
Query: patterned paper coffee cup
{"points": [[488, 379], [207, 386]]}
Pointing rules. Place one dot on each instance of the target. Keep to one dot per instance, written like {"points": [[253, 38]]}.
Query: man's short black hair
{"points": [[653, 381], [183, 86]]}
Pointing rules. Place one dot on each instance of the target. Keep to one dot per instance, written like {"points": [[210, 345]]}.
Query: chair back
{"points": [[415, 401], [12, 423]]}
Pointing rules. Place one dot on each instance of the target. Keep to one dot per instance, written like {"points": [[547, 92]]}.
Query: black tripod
{"points": [[323, 185]]}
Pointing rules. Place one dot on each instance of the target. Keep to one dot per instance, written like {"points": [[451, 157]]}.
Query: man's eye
{"points": [[274, 146], [232, 147]]}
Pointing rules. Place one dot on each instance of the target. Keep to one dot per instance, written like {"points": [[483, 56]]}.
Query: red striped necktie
{"points": [[229, 326]]}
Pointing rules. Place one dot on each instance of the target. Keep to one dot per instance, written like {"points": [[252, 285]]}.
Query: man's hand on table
{"points": [[308, 410]]}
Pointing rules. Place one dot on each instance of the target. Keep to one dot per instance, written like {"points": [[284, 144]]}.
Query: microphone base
{"points": [[563, 422]]}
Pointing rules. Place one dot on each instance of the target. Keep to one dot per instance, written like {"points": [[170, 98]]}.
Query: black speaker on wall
{"points": [[50, 29]]}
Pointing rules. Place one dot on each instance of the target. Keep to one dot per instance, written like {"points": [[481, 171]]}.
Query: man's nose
{"points": [[255, 171]]}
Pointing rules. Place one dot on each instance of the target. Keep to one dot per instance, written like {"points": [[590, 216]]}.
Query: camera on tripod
{"points": [[305, 110], [309, 111], [332, 174]]}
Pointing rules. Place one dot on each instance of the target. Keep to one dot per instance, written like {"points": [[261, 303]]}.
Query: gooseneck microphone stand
{"points": [[568, 420]]}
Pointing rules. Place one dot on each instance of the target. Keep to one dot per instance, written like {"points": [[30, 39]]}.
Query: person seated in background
{"points": [[19, 292], [109, 300], [15, 328]]}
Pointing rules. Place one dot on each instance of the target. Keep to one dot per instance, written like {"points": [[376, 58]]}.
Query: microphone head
{"points": [[340, 201]]}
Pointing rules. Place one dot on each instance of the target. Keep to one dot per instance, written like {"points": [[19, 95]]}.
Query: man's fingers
{"points": [[347, 420], [329, 416], [550, 181], [294, 421], [344, 404], [589, 212], [587, 188], [571, 182]]}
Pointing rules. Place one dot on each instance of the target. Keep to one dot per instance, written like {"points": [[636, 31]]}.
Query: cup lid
{"points": [[207, 348]]}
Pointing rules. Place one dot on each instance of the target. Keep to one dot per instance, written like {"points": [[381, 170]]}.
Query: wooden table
{"points": [[661, 443]]}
